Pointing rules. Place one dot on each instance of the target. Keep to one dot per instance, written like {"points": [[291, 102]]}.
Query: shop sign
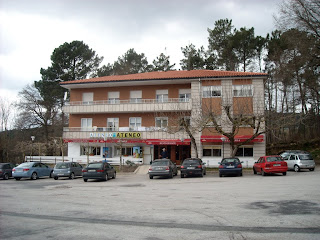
{"points": [[115, 135]]}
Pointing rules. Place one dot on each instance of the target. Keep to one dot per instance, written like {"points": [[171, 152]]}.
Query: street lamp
{"points": [[32, 139], [223, 139]]}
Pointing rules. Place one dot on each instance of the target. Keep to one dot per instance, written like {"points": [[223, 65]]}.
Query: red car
{"points": [[270, 164]]}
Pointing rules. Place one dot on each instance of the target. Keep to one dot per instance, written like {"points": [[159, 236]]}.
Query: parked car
{"points": [[6, 170], [230, 166], [193, 167], [98, 170], [67, 169], [298, 161], [32, 170], [162, 167], [286, 153], [270, 164]]}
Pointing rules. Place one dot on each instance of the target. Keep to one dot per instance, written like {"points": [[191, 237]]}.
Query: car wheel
{"points": [[6, 176], [106, 178], [114, 175], [220, 175], [296, 168], [18, 178], [85, 180], [34, 176], [55, 178], [51, 174], [284, 173], [205, 172], [71, 176], [240, 174], [182, 176], [151, 177], [263, 172], [201, 175], [171, 175], [311, 169], [254, 171]]}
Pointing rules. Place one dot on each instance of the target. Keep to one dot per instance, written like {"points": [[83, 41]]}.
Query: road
{"points": [[136, 207]]}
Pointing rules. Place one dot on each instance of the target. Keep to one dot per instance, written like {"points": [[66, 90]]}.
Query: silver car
{"points": [[67, 169], [300, 161]]}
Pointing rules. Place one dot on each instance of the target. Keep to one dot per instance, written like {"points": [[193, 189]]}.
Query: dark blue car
{"points": [[230, 166]]}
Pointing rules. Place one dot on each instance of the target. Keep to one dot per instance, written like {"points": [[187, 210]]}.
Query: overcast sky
{"points": [[31, 29]]}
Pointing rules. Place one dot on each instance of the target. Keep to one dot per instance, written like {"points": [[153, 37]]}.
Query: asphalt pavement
{"points": [[133, 206]]}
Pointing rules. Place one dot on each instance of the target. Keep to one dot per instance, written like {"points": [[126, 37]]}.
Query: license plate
{"points": [[91, 170], [190, 167], [230, 166], [158, 168], [276, 165]]}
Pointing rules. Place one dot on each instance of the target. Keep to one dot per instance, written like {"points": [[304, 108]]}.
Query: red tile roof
{"points": [[193, 74]]}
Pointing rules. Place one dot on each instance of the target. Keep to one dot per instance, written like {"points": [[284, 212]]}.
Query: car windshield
{"points": [[274, 159], [305, 157], [26, 164], [62, 165], [94, 165], [160, 163], [191, 162], [230, 160]]}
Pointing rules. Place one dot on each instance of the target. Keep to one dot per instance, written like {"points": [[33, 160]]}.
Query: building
{"points": [[136, 116]]}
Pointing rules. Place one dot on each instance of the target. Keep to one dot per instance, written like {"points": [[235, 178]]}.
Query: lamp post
{"points": [[222, 139], [32, 139]]}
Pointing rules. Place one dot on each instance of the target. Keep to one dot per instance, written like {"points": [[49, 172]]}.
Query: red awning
{"points": [[238, 138], [167, 142]]}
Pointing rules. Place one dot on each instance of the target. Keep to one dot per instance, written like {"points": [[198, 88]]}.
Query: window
{"points": [[136, 96], [113, 97], [87, 98], [86, 123], [184, 95], [242, 90], [124, 151], [134, 123], [245, 152], [211, 91], [91, 150], [162, 122], [211, 151], [162, 95], [113, 124]]}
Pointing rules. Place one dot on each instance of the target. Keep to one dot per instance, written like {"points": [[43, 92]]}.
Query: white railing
{"points": [[132, 101], [120, 129]]}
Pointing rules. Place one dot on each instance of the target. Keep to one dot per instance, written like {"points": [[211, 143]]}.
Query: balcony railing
{"points": [[130, 101], [120, 129], [128, 106]]}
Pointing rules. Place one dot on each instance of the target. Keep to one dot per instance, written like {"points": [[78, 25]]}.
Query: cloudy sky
{"points": [[30, 30]]}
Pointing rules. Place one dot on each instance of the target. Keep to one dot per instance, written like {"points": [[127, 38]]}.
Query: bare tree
{"points": [[300, 14]]}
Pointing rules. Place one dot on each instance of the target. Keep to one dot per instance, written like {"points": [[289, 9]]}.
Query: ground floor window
{"points": [[91, 150], [128, 151], [211, 151], [245, 151]]}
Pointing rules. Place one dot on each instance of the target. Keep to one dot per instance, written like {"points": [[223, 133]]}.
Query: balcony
{"points": [[127, 106], [104, 133]]}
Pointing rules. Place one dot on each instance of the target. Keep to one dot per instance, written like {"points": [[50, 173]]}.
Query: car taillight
{"points": [[13, 170], [268, 165], [220, 166], [167, 169], [239, 166], [99, 170], [199, 166], [26, 169], [182, 167], [0, 172], [84, 170]]}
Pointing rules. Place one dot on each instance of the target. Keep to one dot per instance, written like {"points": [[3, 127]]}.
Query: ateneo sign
{"points": [[115, 135]]}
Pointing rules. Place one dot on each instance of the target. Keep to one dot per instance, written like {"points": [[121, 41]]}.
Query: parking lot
{"points": [[136, 207]]}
